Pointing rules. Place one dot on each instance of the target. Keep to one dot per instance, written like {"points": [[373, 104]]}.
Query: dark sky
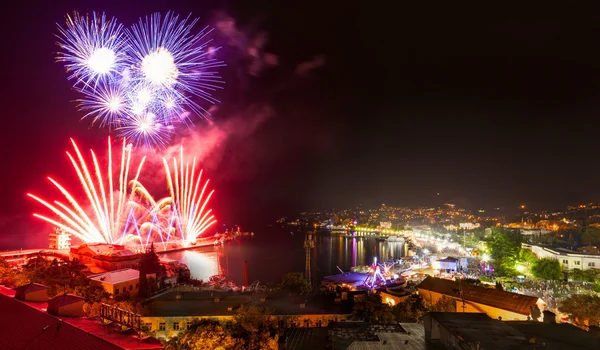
{"points": [[485, 106]]}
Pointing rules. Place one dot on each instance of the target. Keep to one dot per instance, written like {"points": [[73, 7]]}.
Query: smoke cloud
{"points": [[250, 44], [306, 67]]}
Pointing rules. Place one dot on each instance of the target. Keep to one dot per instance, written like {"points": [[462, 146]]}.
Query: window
{"points": [[117, 291], [565, 261], [130, 287], [188, 324], [319, 323], [577, 262], [161, 326], [592, 264], [176, 326], [148, 325]]}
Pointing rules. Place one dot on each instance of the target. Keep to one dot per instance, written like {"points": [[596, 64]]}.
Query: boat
{"points": [[336, 228]]}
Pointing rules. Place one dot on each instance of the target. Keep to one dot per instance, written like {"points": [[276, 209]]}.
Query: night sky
{"points": [[486, 106]]}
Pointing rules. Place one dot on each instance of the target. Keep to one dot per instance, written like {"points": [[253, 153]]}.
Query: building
{"points": [[352, 335], [118, 281], [557, 336], [170, 313], [106, 257], [468, 225], [25, 327], [66, 305], [534, 231], [448, 330], [32, 292], [60, 239], [568, 259], [497, 304]]}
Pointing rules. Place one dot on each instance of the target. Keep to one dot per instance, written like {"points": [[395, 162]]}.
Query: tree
{"points": [[547, 269], [528, 257], [583, 309], [255, 328], [505, 247], [204, 334], [7, 273], [411, 310], [149, 264], [372, 309], [444, 304], [295, 281]]}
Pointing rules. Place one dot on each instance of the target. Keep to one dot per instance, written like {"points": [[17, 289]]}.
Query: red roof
{"points": [[500, 299], [63, 300], [27, 328], [30, 288]]}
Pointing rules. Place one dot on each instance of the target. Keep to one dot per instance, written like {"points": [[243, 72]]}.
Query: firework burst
{"points": [[189, 199], [93, 48], [156, 70], [109, 216]]}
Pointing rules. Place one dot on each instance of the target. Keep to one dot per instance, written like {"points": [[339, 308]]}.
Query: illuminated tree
{"points": [[504, 248], [444, 304], [372, 309], [547, 269], [256, 328], [205, 334], [411, 310], [583, 309]]}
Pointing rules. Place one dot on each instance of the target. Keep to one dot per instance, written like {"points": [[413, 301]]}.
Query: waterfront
{"points": [[272, 253]]}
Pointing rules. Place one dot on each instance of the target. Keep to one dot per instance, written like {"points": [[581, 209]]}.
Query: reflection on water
{"points": [[271, 256], [202, 264]]}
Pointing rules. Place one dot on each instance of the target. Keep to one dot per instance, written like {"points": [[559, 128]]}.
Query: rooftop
{"points": [[30, 288], [557, 336], [105, 249], [479, 330], [33, 329], [202, 303], [66, 299], [513, 302], [413, 338], [311, 338], [116, 276], [362, 335], [92, 328]]}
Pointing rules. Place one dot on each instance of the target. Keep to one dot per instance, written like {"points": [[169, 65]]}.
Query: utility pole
{"points": [[309, 243]]}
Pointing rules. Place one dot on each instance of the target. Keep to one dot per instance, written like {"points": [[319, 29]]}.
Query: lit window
{"points": [[176, 326], [161, 326], [148, 325], [189, 324]]}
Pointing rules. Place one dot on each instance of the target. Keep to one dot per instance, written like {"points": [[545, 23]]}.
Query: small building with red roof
{"points": [[32, 292], [66, 305]]}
